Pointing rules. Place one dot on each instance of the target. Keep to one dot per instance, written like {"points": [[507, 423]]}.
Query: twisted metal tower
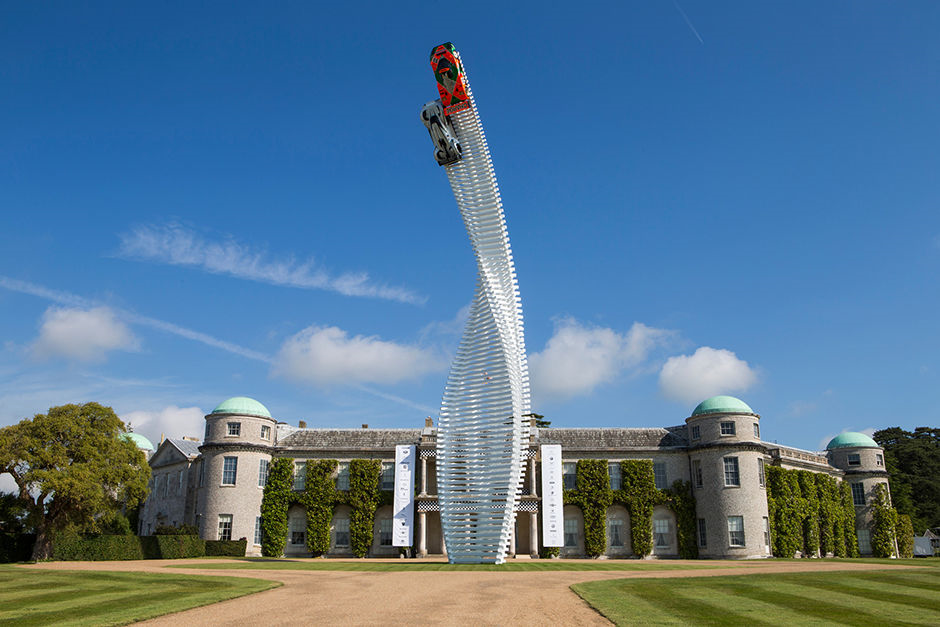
{"points": [[483, 434]]}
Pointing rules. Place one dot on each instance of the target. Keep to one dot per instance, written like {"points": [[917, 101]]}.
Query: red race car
{"points": [[451, 80]]}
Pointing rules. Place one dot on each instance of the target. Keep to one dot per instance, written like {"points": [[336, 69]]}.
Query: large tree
{"points": [[913, 463], [73, 468]]}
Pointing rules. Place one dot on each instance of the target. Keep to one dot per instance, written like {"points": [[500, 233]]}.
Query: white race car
{"points": [[447, 149]]}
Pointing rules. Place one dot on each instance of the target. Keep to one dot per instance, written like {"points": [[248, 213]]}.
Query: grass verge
{"points": [[46, 597], [849, 597], [260, 563]]}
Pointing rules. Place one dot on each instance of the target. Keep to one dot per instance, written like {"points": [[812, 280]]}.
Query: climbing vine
{"points": [[808, 513], [884, 522], [363, 500], [274, 504], [320, 498], [638, 494]]}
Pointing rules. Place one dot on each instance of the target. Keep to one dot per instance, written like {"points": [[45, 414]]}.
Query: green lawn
{"points": [[46, 597], [852, 598], [259, 563]]}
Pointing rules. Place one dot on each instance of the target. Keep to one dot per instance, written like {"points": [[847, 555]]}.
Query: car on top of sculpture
{"points": [[451, 79], [447, 148]]}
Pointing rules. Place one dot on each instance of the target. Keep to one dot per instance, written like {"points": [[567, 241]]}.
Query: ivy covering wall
{"points": [[320, 499], [811, 513], [639, 495], [274, 504], [884, 523]]}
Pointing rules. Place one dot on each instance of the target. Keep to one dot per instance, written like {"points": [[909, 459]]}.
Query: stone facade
{"points": [[719, 450]]}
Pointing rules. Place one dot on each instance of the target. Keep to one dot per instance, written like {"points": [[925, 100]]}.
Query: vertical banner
{"points": [[553, 508], [403, 520]]}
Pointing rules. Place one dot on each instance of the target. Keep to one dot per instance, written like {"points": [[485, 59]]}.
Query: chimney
{"points": [[365, 426], [428, 422], [302, 424]]}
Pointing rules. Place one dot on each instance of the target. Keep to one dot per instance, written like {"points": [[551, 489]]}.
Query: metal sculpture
{"points": [[482, 433]]}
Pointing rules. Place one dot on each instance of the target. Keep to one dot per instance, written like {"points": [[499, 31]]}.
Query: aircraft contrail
{"points": [[689, 22]]}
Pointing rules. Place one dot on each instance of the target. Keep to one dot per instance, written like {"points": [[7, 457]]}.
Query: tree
{"points": [[912, 460], [72, 469]]}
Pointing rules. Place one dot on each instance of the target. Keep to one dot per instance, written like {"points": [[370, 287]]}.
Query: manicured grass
{"points": [[260, 563], [849, 597], [46, 597]]}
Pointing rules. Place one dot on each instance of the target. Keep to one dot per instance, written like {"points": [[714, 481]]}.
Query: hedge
{"points": [[72, 547], [226, 548], [274, 504], [905, 534], [885, 520], [170, 547]]}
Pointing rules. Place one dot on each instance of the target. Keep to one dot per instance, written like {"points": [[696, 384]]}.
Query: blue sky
{"points": [[207, 201]]}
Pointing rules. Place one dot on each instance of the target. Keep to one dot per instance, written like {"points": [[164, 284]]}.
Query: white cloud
{"points": [[707, 372], [81, 334], [176, 245], [578, 358], [327, 355], [171, 421]]}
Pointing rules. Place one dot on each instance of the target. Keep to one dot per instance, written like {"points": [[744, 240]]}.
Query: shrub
{"points": [[885, 520], [16, 547], [226, 548], [170, 530], [905, 533]]}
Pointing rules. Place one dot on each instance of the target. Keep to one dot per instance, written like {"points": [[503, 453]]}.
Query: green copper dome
{"points": [[722, 405], [139, 440], [850, 439], [242, 405]]}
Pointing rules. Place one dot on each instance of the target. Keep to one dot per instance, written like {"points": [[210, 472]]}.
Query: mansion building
{"points": [[217, 485]]}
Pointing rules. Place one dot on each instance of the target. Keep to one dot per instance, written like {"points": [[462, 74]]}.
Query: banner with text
{"points": [[553, 507], [403, 520]]}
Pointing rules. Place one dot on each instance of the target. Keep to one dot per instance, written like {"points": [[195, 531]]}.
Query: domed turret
{"points": [[727, 463], [851, 439]]}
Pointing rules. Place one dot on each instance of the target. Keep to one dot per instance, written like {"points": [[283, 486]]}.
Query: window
{"points": [[855, 459], [615, 534], [206, 436], [761, 480], [229, 470], [298, 530], [571, 533], [858, 494], [257, 530], [181, 482], [569, 474], [697, 473], [166, 485], [265, 432], [341, 532], [225, 526], [234, 428], [385, 532], [879, 459], [202, 473], [300, 475], [727, 428], [342, 477], [661, 532], [757, 431], [766, 532], [696, 432], [263, 468], [732, 477], [702, 536], [864, 541], [736, 530], [659, 475], [613, 470], [387, 481]]}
